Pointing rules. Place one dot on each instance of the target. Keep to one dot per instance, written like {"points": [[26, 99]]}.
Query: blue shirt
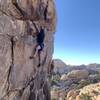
{"points": [[40, 37]]}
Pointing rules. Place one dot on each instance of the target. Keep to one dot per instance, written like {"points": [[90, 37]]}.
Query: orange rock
{"points": [[78, 97], [98, 97], [72, 94]]}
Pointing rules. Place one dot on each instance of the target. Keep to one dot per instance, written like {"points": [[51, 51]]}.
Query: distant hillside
{"points": [[61, 67], [69, 81]]}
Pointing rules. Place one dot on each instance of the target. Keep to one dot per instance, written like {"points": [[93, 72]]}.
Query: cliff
{"points": [[21, 77]]}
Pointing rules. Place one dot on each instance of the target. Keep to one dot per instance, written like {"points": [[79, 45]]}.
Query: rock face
{"points": [[21, 78]]}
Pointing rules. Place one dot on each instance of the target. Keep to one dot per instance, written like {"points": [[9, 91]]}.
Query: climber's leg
{"points": [[36, 51], [40, 54], [39, 58]]}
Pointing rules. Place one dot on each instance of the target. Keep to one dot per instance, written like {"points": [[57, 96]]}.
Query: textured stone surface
{"points": [[89, 92], [21, 79]]}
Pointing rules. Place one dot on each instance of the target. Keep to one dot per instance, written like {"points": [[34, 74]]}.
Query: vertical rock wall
{"points": [[20, 76]]}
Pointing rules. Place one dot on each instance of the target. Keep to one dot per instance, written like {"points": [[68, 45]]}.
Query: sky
{"points": [[77, 37]]}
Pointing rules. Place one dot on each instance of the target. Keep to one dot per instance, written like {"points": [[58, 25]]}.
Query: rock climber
{"points": [[40, 31], [40, 42]]}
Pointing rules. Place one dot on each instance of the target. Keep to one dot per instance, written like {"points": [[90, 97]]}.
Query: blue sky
{"points": [[78, 31]]}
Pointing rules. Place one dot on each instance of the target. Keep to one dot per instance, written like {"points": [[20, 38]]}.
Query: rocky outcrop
{"points": [[90, 92], [59, 66], [64, 77], [21, 77], [78, 74]]}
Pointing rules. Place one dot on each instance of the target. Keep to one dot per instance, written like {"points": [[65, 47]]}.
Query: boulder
{"points": [[78, 74], [71, 95], [64, 77]]}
